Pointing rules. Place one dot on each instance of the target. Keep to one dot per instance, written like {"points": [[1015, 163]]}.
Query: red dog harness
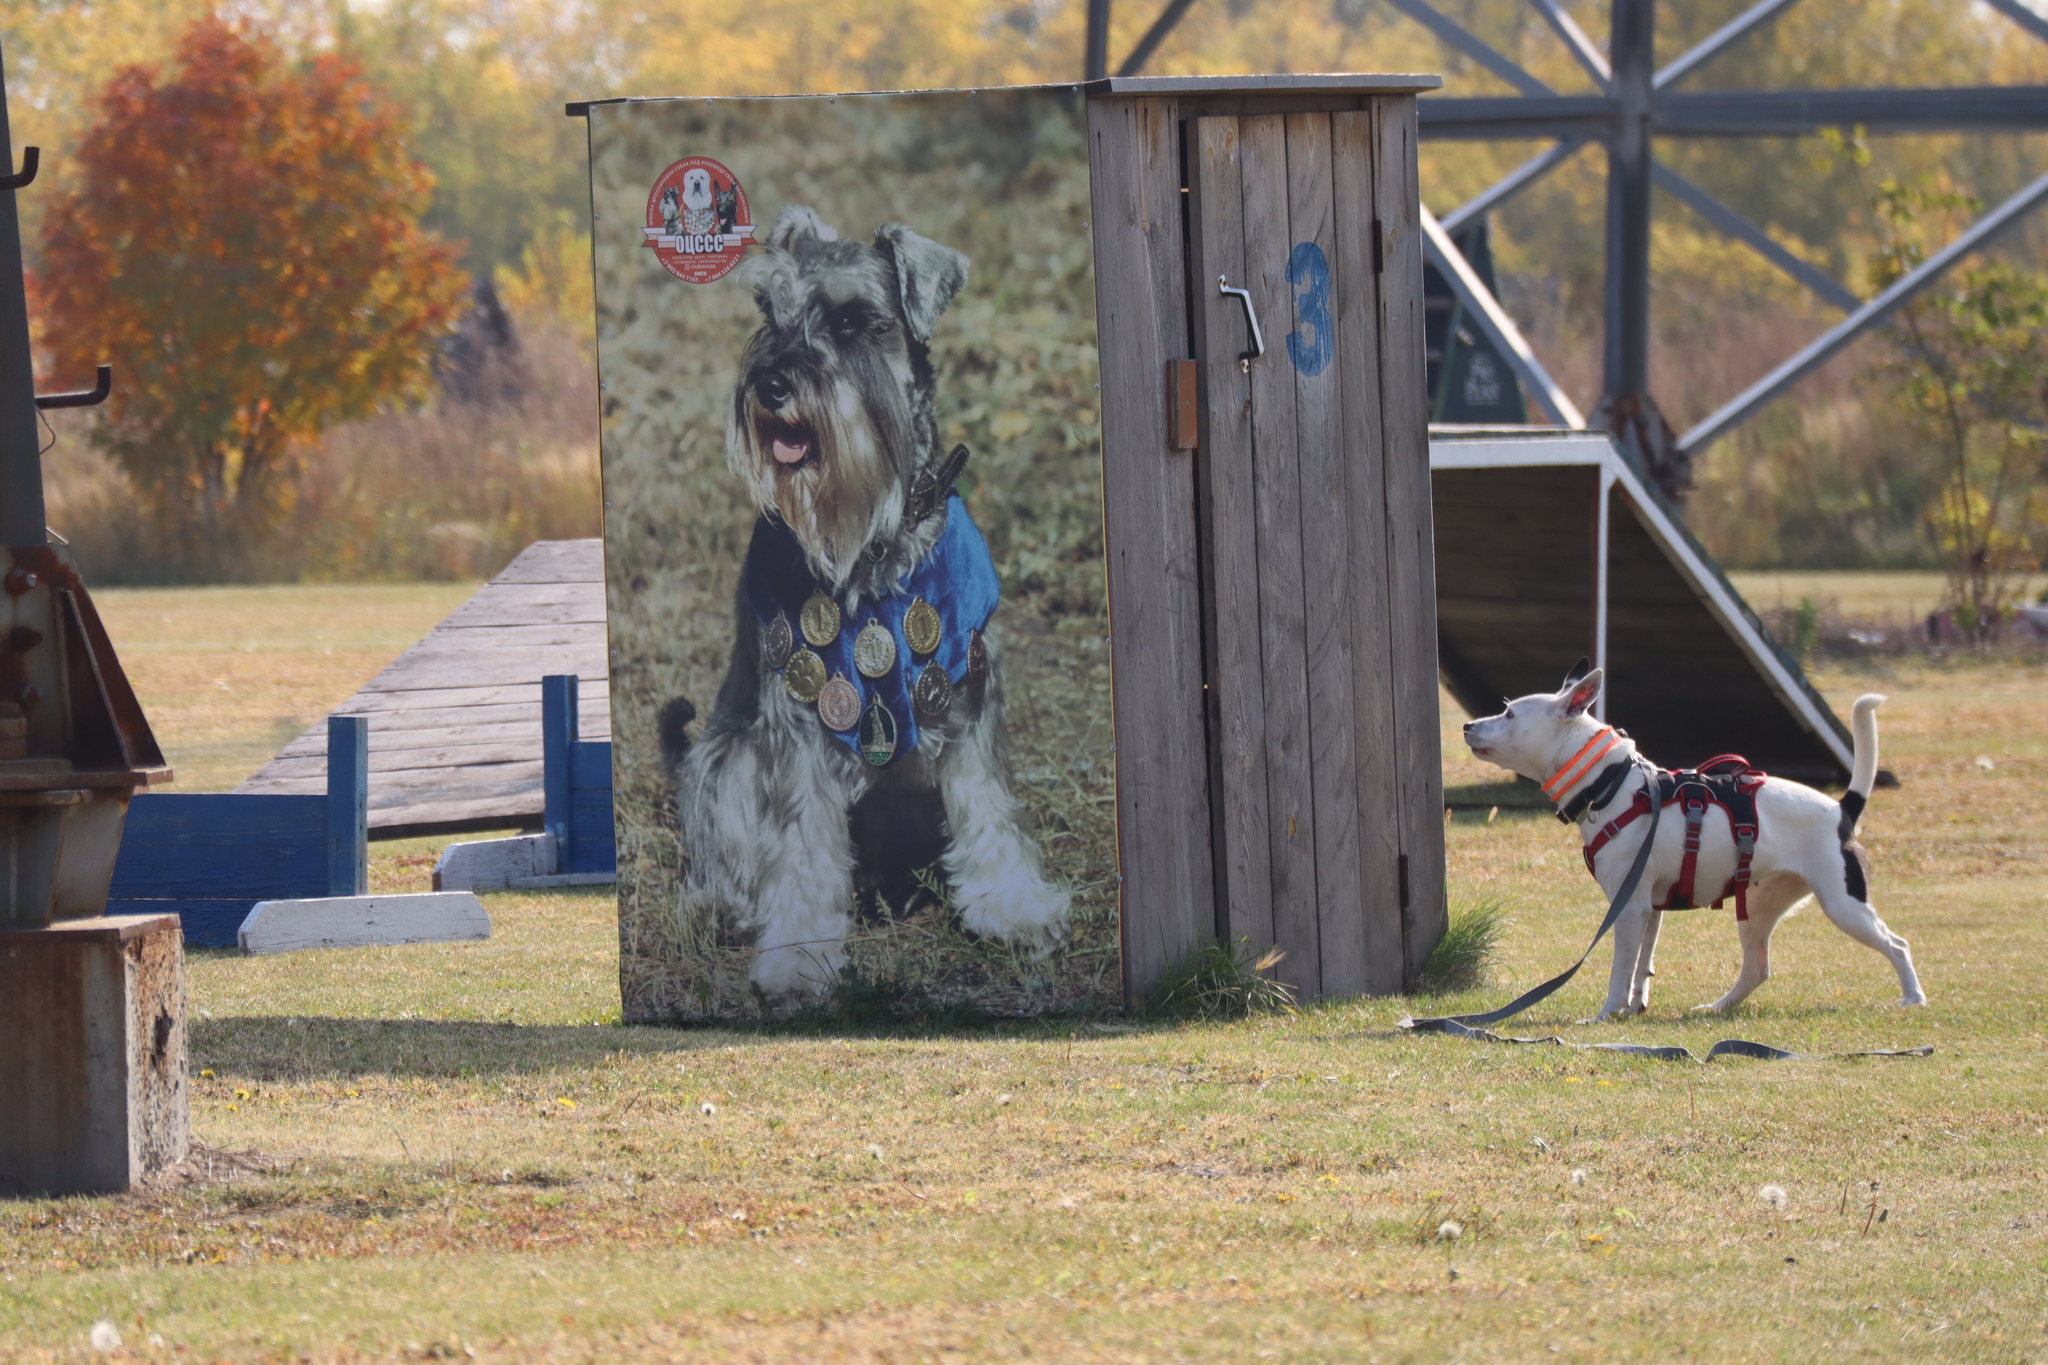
{"points": [[1727, 781]]}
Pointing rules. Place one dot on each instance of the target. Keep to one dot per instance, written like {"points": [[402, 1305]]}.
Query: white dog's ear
{"points": [[796, 223], [1580, 694], [1579, 670], [927, 275]]}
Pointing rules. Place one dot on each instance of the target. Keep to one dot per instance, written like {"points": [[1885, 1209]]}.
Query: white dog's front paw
{"points": [[1705, 1009], [1031, 913], [1914, 1001]]}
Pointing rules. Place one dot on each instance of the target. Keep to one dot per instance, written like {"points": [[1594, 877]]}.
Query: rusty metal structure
{"points": [[1635, 104], [92, 1032], [74, 745]]}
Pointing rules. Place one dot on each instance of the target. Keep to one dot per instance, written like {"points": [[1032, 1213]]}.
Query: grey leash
{"points": [[1463, 1025], [1474, 1025]]}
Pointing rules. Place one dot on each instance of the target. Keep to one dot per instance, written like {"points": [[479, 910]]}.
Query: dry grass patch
{"points": [[228, 676], [1282, 1187]]}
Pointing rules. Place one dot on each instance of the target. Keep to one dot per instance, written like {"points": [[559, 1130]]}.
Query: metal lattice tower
{"points": [[1635, 105]]}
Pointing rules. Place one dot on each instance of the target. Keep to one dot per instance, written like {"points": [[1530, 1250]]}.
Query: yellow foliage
{"points": [[551, 284]]}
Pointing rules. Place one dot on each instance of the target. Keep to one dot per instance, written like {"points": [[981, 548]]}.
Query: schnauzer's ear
{"points": [[1580, 694], [795, 223], [927, 275]]}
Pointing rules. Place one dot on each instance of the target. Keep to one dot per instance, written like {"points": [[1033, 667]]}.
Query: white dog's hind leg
{"points": [[1769, 901], [990, 861], [1639, 986], [1859, 921]]}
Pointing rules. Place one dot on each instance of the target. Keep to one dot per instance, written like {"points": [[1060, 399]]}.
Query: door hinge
{"points": [[1401, 866], [1379, 249]]}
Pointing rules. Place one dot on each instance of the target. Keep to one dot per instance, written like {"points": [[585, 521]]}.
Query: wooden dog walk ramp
{"points": [[455, 721], [1549, 545]]}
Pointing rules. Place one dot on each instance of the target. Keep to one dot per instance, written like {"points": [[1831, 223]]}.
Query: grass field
{"points": [[445, 1150]]}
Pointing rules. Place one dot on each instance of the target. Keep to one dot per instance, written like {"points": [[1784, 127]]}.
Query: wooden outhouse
{"points": [[853, 387], [1267, 502]]}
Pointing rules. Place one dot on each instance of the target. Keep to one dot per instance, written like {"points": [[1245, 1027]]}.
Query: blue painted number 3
{"points": [[1309, 270]]}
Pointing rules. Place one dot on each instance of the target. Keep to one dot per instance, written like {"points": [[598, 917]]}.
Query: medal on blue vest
{"points": [[878, 734], [839, 704], [777, 640], [933, 694], [923, 628], [820, 620], [804, 676], [874, 650]]}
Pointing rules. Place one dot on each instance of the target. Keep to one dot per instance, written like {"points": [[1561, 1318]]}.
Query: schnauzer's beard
{"points": [[819, 464]]}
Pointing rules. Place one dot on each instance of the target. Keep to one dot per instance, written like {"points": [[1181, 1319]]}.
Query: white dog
{"points": [[698, 200], [1803, 842]]}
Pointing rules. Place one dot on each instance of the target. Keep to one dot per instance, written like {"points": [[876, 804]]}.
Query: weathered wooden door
{"points": [[1319, 592]]}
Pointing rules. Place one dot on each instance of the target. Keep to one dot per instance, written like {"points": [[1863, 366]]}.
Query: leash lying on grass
{"points": [[1727, 1047], [1474, 1025]]}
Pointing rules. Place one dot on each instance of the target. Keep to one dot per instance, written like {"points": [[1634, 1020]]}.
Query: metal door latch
{"points": [[1251, 318]]}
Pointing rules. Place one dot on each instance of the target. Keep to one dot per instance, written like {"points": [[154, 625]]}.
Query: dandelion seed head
{"points": [[707, 1108], [1450, 1230], [105, 1337], [1774, 1195], [1579, 1175], [875, 1150]]}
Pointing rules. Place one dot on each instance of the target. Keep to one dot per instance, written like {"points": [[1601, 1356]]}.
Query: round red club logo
{"points": [[697, 220]]}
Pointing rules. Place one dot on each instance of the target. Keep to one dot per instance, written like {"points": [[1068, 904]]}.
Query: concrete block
{"points": [[495, 864], [93, 1091], [363, 921], [565, 879]]}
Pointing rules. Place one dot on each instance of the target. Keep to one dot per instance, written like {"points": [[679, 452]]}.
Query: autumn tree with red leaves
{"points": [[242, 241]]}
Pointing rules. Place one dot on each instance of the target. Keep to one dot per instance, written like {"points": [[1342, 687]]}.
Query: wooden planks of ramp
{"points": [[455, 721]]}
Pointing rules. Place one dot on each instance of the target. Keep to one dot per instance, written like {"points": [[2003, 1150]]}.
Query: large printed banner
{"points": [[854, 558]]}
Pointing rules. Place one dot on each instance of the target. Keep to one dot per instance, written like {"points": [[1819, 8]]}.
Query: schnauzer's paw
{"points": [[1033, 915], [796, 972]]}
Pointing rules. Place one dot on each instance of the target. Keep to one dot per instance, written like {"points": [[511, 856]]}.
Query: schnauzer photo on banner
{"points": [[854, 554]]}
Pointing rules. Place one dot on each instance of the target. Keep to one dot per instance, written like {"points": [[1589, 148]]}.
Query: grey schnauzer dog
{"points": [[832, 429]]}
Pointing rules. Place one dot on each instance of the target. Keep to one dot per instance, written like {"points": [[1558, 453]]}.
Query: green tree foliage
{"points": [[242, 238], [1968, 376]]}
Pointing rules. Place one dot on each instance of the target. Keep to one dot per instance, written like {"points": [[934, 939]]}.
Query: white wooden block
{"points": [[363, 921], [565, 879], [494, 864]]}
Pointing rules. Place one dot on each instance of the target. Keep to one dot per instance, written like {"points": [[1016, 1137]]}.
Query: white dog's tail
{"points": [[1863, 775]]}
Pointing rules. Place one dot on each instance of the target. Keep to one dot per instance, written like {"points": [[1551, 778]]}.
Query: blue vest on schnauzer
{"points": [[958, 578]]}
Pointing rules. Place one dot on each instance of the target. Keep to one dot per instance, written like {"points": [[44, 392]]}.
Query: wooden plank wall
{"points": [[1162, 762], [455, 723], [1230, 536], [1411, 559], [1314, 502]]}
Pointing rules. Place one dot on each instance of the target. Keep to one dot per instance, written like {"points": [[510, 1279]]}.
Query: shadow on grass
{"points": [[305, 1048]]}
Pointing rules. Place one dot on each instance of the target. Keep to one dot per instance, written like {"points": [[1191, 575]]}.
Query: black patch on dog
{"points": [[895, 835], [673, 725], [1856, 867], [1852, 811]]}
